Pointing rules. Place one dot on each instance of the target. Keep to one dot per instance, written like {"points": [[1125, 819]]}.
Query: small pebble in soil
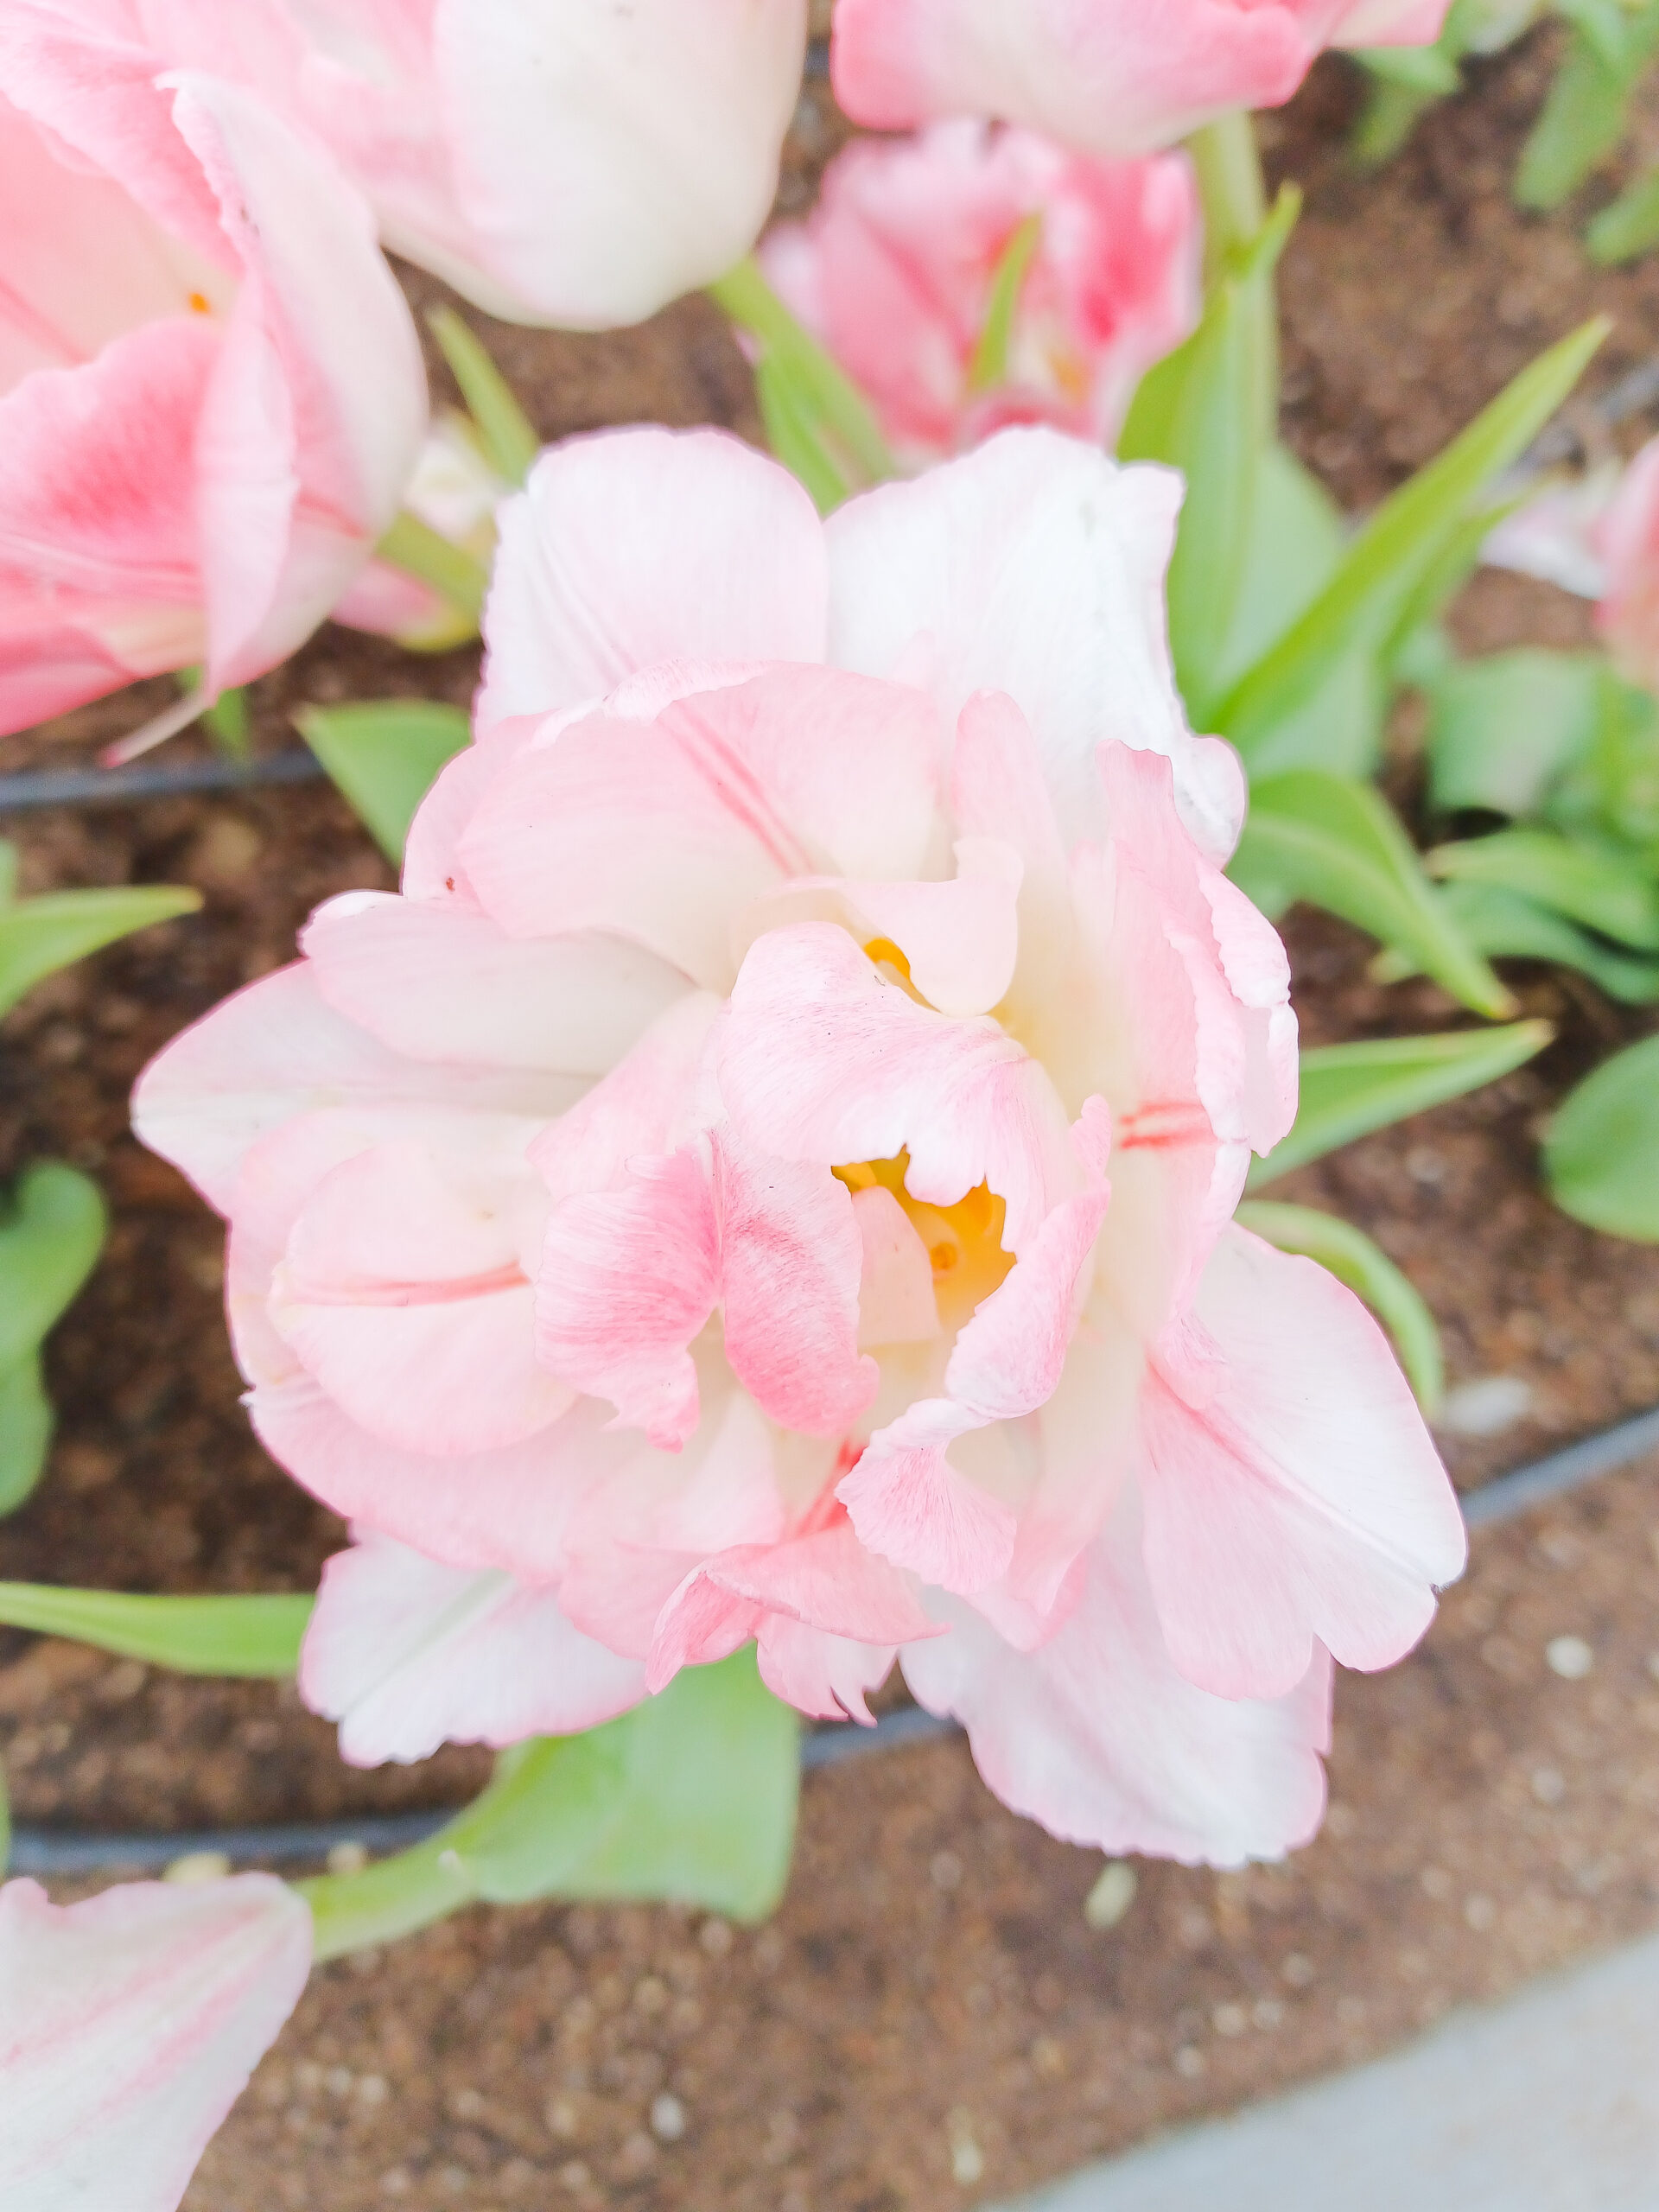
{"points": [[1653, 1665], [1298, 1969], [1486, 1407], [715, 1937], [1229, 2020], [667, 2118], [1549, 1785], [1435, 1882], [1190, 2062], [1112, 1895], [967, 2159], [945, 1868], [1480, 1913], [347, 1859], [1267, 2012], [1569, 1657], [198, 1866]]}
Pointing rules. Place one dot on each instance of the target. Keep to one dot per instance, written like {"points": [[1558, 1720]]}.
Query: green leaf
{"points": [[51, 1231], [1337, 845], [1295, 543], [1391, 111], [1353, 1259], [690, 1796], [822, 394], [1429, 71], [1502, 924], [506, 432], [1501, 728], [39, 935], [1200, 409], [384, 754], [1349, 1091], [26, 1425], [1599, 887], [252, 1636], [989, 365], [1587, 109], [1601, 1157], [1361, 607], [451, 571], [1629, 226], [794, 438]]}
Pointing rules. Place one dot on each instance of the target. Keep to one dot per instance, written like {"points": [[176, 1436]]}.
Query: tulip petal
{"points": [[129, 2025], [1035, 565], [406, 1654], [1097, 1735], [637, 546], [1292, 1492]]}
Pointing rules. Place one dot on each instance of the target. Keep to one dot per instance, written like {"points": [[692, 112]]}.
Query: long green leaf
{"points": [[255, 1636], [39, 935], [1503, 924], [1357, 1260], [384, 754], [26, 1425], [826, 395], [425, 553], [507, 435], [1586, 108], [795, 437], [1629, 226], [1503, 728], [1601, 1157], [1600, 889], [989, 365], [1349, 1091], [1362, 603], [50, 1233], [691, 1796], [1336, 844]]}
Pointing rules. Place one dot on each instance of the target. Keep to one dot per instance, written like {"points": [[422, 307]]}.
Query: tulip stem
{"points": [[422, 551], [1228, 164]]}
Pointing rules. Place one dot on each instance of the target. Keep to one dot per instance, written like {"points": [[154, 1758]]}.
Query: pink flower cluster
{"points": [[769, 1175], [894, 268]]}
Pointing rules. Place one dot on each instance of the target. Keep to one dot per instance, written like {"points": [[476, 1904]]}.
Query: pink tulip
{"points": [[555, 160], [769, 1174], [894, 269], [129, 2025], [1109, 77], [1626, 540], [210, 389]]}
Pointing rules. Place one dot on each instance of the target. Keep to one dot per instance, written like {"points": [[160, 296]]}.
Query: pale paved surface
{"points": [[1547, 2103]]}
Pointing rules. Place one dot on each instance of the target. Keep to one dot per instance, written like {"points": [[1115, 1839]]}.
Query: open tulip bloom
{"points": [[768, 1177], [211, 393]]}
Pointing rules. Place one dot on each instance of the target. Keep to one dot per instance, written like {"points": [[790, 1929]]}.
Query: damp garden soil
{"points": [[930, 2020]]}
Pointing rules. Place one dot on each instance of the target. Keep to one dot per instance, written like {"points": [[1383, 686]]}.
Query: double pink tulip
{"points": [[769, 1174], [555, 160], [211, 393], [895, 267], [1113, 77]]}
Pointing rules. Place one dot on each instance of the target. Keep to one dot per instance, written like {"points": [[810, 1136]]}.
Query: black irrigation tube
{"points": [[34, 787], [56, 1852]]}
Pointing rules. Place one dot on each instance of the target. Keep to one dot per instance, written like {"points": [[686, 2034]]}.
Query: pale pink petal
{"points": [[1627, 541], [406, 1654], [896, 1304], [275, 1050], [828, 1677], [432, 863], [1097, 1735], [643, 545], [404, 1291], [1035, 565], [823, 1060], [1292, 1492], [664, 825], [647, 1103], [129, 2026], [438, 981]]}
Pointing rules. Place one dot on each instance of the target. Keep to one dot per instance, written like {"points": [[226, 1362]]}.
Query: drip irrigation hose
{"points": [[62, 1852], [32, 787]]}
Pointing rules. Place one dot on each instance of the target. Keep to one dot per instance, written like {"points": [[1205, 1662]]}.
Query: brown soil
{"points": [[930, 2020]]}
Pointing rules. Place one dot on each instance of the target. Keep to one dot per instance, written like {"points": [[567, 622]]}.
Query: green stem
{"points": [[1235, 197], [749, 300], [393, 1897], [416, 547]]}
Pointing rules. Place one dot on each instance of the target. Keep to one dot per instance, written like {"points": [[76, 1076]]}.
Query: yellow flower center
{"points": [[963, 1242]]}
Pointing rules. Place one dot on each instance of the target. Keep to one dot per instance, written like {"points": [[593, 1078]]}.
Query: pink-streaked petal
{"points": [[403, 1290], [647, 1103], [910, 1504], [643, 545], [896, 1304], [627, 1279], [275, 1050], [1035, 565], [406, 1654], [827, 1677], [437, 981], [1292, 1492], [129, 2026], [664, 825], [822, 1060], [1097, 1736]]}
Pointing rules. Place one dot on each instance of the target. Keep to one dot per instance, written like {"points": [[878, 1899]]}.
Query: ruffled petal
{"points": [[129, 2026], [406, 1654], [1292, 1491]]}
